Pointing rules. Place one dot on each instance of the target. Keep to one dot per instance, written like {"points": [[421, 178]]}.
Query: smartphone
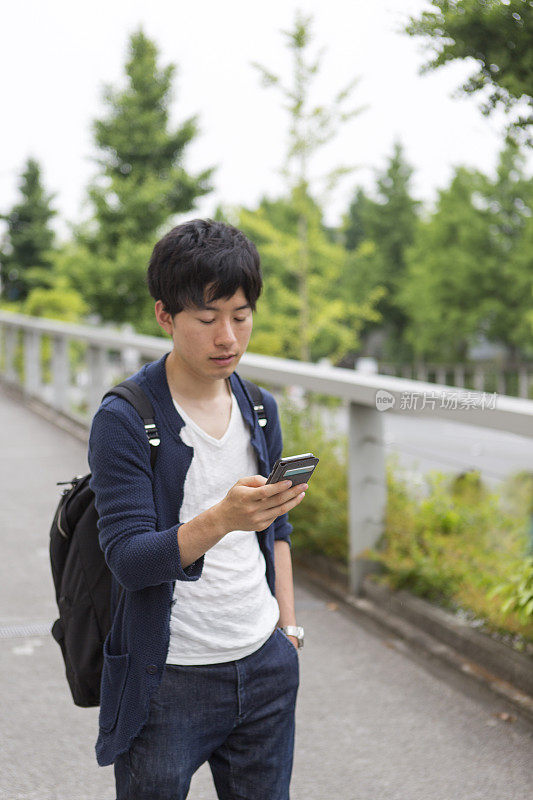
{"points": [[297, 469]]}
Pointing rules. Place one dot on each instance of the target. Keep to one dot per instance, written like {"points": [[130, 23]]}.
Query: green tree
{"points": [[354, 230], [26, 256], [59, 302], [509, 201], [311, 127], [498, 35], [379, 233], [334, 319], [114, 288], [451, 273], [470, 270], [523, 262], [142, 184]]}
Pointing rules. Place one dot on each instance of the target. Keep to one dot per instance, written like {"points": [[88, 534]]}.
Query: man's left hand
{"points": [[294, 640]]}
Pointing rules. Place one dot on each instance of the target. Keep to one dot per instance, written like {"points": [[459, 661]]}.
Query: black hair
{"points": [[203, 253]]}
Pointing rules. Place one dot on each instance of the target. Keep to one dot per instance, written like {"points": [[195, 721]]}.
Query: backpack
{"points": [[85, 590]]}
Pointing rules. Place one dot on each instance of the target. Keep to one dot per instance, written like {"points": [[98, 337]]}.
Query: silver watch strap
{"points": [[294, 630]]}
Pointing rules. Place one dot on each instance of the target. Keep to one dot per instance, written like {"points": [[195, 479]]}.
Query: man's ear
{"points": [[163, 317]]}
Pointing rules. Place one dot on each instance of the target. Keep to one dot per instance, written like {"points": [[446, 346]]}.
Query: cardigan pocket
{"points": [[114, 674]]}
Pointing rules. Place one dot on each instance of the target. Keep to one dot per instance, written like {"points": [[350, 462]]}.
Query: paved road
{"points": [[373, 721]]}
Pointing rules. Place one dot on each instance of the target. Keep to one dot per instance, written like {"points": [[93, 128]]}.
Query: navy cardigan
{"points": [[138, 521]]}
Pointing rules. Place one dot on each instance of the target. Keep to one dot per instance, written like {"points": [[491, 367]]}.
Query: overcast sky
{"points": [[56, 55]]}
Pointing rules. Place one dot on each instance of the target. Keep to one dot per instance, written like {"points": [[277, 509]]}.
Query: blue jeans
{"points": [[238, 716]]}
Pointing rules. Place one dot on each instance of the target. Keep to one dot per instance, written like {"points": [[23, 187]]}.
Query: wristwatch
{"points": [[295, 630]]}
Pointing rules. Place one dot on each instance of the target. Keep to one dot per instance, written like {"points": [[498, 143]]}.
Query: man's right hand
{"points": [[252, 504]]}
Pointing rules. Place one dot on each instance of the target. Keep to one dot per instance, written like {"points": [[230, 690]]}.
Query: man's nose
{"points": [[225, 332]]}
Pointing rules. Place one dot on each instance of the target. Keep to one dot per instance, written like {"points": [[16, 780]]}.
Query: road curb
{"points": [[495, 656], [434, 632]]}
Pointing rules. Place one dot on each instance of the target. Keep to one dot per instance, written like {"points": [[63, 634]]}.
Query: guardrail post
{"points": [[367, 491], [523, 383], [459, 375], [97, 366], [422, 372], [60, 373], [10, 345], [441, 375], [32, 361], [479, 379], [130, 356]]}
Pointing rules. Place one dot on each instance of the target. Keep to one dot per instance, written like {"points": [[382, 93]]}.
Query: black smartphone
{"points": [[297, 469]]}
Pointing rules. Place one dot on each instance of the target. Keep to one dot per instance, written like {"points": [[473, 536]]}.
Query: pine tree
{"points": [[29, 239], [354, 224], [142, 185], [143, 181]]}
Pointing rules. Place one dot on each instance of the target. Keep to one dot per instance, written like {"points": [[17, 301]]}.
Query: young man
{"points": [[197, 666]]}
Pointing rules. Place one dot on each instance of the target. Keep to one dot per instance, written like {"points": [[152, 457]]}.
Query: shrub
{"points": [[448, 538], [517, 592], [455, 544], [320, 521]]}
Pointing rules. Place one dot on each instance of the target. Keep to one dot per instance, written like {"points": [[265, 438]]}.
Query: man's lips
{"points": [[223, 358]]}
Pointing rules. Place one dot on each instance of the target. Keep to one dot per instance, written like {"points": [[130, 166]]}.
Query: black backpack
{"points": [[85, 591]]}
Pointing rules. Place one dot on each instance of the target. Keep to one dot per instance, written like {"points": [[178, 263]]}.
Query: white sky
{"points": [[55, 56]]}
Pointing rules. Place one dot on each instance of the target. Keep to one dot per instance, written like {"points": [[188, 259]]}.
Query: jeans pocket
{"points": [[288, 641]]}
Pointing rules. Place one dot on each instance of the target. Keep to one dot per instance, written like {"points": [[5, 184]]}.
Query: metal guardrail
{"points": [[367, 397], [481, 376]]}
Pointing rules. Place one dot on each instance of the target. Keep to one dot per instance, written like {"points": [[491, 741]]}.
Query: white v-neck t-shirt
{"points": [[229, 612]]}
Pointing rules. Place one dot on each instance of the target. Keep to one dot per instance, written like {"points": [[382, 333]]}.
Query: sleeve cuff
{"points": [[163, 564], [283, 532]]}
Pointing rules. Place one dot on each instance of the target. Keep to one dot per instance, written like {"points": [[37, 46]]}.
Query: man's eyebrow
{"points": [[239, 308]]}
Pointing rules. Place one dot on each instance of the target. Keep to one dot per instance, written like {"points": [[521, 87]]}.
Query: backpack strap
{"points": [[257, 397], [131, 391]]}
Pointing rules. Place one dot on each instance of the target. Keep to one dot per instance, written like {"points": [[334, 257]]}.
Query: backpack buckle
{"points": [[152, 433], [261, 417]]}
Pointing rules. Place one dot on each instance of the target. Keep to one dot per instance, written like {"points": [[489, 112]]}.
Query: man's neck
{"points": [[188, 386]]}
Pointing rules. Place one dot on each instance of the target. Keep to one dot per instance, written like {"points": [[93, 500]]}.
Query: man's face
{"points": [[200, 336]]}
